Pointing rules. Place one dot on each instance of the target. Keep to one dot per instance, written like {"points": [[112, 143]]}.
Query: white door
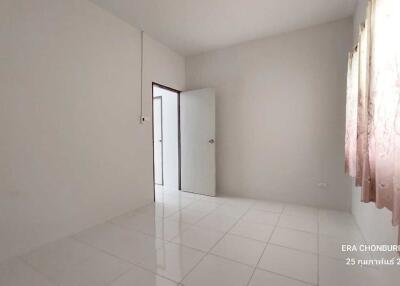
{"points": [[158, 141], [198, 141]]}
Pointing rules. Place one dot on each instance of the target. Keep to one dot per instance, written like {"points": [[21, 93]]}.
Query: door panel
{"points": [[158, 141], [198, 141]]}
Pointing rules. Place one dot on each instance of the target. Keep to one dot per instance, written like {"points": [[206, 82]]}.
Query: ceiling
{"points": [[194, 26]]}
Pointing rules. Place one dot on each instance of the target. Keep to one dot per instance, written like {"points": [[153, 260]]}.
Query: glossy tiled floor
{"points": [[186, 239]]}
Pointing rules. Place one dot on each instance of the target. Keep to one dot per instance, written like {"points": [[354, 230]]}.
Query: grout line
{"points": [[250, 238], [329, 236], [299, 230], [40, 272], [266, 245], [231, 260], [119, 276], [287, 277], [195, 224], [215, 244], [164, 241], [227, 232], [125, 260], [296, 249], [140, 231]]}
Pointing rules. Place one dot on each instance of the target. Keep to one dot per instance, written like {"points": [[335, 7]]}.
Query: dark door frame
{"points": [[178, 92], [162, 141]]}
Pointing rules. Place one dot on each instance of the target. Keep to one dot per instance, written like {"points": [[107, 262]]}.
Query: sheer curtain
{"points": [[351, 113], [376, 162]]}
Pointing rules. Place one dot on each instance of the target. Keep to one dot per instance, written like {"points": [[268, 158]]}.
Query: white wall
{"points": [[72, 151], [374, 223], [280, 115], [170, 136]]}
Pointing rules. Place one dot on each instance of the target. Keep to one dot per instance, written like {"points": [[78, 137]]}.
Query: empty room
{"points": [[199, 143]]}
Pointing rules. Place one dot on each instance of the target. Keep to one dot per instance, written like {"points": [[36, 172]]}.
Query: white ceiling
{"points": [[194, 26]]}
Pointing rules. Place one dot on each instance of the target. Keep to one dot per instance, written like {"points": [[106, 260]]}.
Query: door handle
{"points": [[211, 141]]}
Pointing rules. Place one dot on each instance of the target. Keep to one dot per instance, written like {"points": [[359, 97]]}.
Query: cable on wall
{"points": [[142, 119]]}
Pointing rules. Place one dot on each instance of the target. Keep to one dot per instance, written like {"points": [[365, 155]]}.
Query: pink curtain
{"points": [[351, 114], [365, 112], [376, 161]]}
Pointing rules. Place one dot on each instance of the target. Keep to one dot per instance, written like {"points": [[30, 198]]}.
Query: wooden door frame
{"points": [[178, 93]]}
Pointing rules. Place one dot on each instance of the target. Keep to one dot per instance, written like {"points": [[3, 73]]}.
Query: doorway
{"points": [[184, 140], [158, 141], [166, 137]]}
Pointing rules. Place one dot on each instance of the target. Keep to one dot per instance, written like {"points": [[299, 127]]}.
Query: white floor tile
{"points": [[140, 277], [341, 230], [57, 256], [253, 230], [217, 222], [204, 205], [216, 271], [15, 272], [262, 217], [295, 239], [389, 275], [169, 192], [136, 221], [191, 195], [123, 243], [159, 210], [298, 210], [264, 278], [189, 216], [308, 223], [100, 269], [269, 206], [244, 250], [165, 229], [229, 210], [334, 272], [177, 201], [106, 253], [385, 255], [240, 203], [335, 216], [172, 261], [332, 247], [161, 228], [292, 263], [198, 238], [214, 200]]}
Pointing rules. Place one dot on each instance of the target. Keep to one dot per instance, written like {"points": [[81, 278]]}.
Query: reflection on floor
{"points": [[193, 240]]}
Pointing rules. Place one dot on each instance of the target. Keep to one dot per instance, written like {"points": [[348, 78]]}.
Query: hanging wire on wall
{"points": [[141, 77]]}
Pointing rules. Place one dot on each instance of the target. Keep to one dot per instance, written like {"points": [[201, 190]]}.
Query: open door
{"points": [[198, 141], [158, 141]]}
